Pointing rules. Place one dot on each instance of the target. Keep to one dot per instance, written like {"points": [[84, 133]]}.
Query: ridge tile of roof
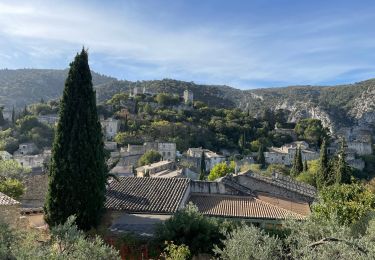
{"points": [[146, 195]]}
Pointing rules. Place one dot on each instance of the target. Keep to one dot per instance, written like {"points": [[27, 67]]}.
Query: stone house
{"points": [[110, 127], [110, 146], [360, 147], [31, 161], [285, 154], [26, 149], [155, 168], [136, 204], [211, 158], [51, 119], [167, 150]]}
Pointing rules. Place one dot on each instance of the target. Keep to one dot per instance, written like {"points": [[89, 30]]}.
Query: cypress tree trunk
{"points": [[78, 171]]}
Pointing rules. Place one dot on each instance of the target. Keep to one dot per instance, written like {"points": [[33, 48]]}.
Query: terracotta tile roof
{"points": [[240, 207], [7, 201], [299, 207], [147, 195]]}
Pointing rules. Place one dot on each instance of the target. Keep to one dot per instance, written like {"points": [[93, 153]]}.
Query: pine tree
{"points": [[202, 174], [261, 159], [78, 171], [297, 167], [322, 177], [342, 170]]}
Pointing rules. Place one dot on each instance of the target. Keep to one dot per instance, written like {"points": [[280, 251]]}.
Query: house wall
{"points": [[211, 187], [257, 185], [10, 214], [361, 148]]}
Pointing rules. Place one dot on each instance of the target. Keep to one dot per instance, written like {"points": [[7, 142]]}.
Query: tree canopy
{"points": [[78, 172]]}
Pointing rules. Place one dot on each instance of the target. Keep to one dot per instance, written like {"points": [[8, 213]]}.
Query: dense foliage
{"points": [[149, 157], [78, 171], [65, 242], [348, 203], [220, 170], [11, 177], [189, 227]]}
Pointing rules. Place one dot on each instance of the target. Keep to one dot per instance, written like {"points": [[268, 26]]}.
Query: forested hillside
{"points": [[26, 86], [335, 106]]}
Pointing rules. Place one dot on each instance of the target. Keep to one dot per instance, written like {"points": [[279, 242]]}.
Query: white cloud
{"points": [[222, 55]]}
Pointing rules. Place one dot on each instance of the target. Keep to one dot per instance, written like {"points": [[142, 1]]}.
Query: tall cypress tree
{"points": [[2, 120], [202, 175], [261, 159], [305, 166], [322, 177], [342, 170], [297, 167], [78, 171], [13, 116]]}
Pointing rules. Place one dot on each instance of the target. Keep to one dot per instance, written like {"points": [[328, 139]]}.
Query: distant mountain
{"points": [[336, 106], [25, 86]]}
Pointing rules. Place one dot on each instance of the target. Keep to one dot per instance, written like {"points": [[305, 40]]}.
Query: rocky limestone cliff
{"points": [[301, 110], [363, 109]]}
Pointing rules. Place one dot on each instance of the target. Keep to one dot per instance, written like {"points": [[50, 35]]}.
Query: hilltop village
{"points": [[167, 152]]}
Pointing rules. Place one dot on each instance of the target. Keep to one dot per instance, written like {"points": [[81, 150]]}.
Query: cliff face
{"points": [[364, 107], [336, 107], [301, 110]]}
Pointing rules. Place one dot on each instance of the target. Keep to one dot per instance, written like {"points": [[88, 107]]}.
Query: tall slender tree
{"points": [[305, 166], [342, 170], [78, 171], [2, 120], [13, 116], [322, 177], [202, 175], [261, 159], [297, 166]]}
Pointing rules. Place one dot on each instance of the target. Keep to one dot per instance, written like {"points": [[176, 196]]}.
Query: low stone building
{"points": [[51, 119], [31, 161], [136, 204], [166, 150], [360, 147], [211, 158], [26, 149], [155, 168], [285, 154]]}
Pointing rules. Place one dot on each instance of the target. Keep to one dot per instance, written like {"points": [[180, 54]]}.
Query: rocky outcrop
{"points": [[363, 109], [301, 110]]}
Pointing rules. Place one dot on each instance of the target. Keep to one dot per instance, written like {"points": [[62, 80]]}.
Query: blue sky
{"points": [[244, 44]]}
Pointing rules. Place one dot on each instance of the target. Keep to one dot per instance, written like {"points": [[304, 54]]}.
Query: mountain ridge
{"points": [[336, 106]]}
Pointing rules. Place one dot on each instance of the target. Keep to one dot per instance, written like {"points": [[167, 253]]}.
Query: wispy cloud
{"points": [[125, 44]]}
